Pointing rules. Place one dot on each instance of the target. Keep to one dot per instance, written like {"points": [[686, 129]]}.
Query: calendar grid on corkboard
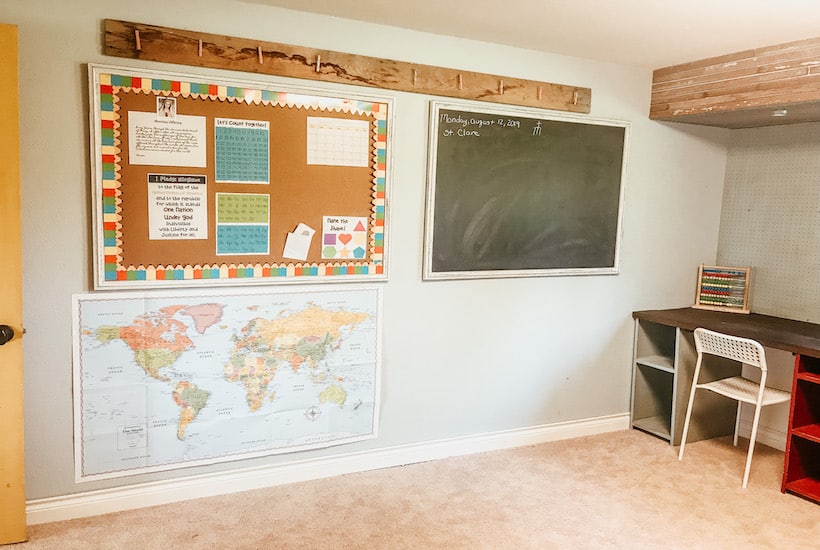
{"points": [[723, 288]]}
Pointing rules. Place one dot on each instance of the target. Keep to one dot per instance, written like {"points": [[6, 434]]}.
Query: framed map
{"points": [[165, 381]]}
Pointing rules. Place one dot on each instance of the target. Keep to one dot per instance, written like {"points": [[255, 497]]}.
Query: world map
{"points": [[173, 381]]}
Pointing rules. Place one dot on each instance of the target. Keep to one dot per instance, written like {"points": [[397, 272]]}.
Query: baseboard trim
{"points": [[771, 437], [106, 501]]}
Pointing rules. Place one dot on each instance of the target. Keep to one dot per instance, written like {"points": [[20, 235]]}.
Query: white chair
{"points": [[740, 389]]}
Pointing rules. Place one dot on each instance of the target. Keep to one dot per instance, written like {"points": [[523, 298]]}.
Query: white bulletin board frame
{"points": [[365, 259]]}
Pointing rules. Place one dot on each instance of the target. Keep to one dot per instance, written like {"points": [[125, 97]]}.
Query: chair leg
{"points": [[737, 423], [752, 438], [689, 409]]}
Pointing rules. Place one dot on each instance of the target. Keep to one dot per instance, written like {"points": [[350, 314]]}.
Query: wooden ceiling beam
{"points": [[742, 89]]}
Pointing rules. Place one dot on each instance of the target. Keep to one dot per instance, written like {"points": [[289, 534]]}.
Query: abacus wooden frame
{"points": [[739, 288]]}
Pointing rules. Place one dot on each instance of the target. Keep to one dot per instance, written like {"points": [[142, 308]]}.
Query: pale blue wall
{"points": [[460, 358]]}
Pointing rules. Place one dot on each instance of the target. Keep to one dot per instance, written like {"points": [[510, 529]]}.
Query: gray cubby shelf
{"points": [[663, 364], [653, 378], [659, 362]]}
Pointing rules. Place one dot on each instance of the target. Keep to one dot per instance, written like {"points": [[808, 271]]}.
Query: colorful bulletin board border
{"points": [[723, 288], [111, 271]]}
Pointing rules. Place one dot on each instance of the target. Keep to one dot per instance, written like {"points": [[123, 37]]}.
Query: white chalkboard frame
{"points": [[440, 221]]}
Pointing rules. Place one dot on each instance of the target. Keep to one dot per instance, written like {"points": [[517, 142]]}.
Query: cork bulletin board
{"points": [[203, 181]]}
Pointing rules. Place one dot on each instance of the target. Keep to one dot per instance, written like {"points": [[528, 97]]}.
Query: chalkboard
{"points": [[522, 192]]}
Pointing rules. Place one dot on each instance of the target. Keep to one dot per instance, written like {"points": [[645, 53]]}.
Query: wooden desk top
{"points": [[774, 332]]}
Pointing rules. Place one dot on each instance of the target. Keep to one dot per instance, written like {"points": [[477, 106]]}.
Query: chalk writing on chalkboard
{"points": [[520, 192]]}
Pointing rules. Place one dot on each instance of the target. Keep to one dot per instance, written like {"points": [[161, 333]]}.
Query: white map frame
{"points": [[367, 299]]}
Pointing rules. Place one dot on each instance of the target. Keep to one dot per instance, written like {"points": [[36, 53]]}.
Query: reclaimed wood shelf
{"points": [[760, 87], [183, 47]]}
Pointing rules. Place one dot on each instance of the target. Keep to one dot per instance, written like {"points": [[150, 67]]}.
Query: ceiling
{"points": [[646, 33]]}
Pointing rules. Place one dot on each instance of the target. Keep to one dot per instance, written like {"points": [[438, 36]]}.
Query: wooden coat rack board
{"points": [[152, 43]]}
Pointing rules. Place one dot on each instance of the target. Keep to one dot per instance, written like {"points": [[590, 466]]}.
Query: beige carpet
{"points": [[618, 490]]}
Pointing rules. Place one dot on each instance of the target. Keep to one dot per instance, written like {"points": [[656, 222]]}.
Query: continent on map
{"points": [[302, 339], [255, 374], [333, 394], [204, 315], [156, 339], [191, 400]]}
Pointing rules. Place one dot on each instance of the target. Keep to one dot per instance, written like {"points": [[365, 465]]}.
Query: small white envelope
{"points": [[297, 243]]}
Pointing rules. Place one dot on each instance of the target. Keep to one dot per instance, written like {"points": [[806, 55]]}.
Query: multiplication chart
{"points": [[242, 150]]}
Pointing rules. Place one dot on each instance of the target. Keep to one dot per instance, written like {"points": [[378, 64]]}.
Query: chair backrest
{"points": [[745, 350]]}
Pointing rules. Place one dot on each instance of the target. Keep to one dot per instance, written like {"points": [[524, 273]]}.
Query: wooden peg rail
{"points": [[152, 43]]}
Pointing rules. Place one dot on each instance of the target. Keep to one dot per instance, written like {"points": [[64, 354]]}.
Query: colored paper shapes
{"points": [[344, 237]]}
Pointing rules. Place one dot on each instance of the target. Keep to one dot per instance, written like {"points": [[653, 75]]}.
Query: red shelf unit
{"points": [[801, 471]]}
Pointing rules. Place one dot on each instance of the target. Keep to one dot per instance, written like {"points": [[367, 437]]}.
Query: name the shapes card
{"points": [[344, 237]]}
